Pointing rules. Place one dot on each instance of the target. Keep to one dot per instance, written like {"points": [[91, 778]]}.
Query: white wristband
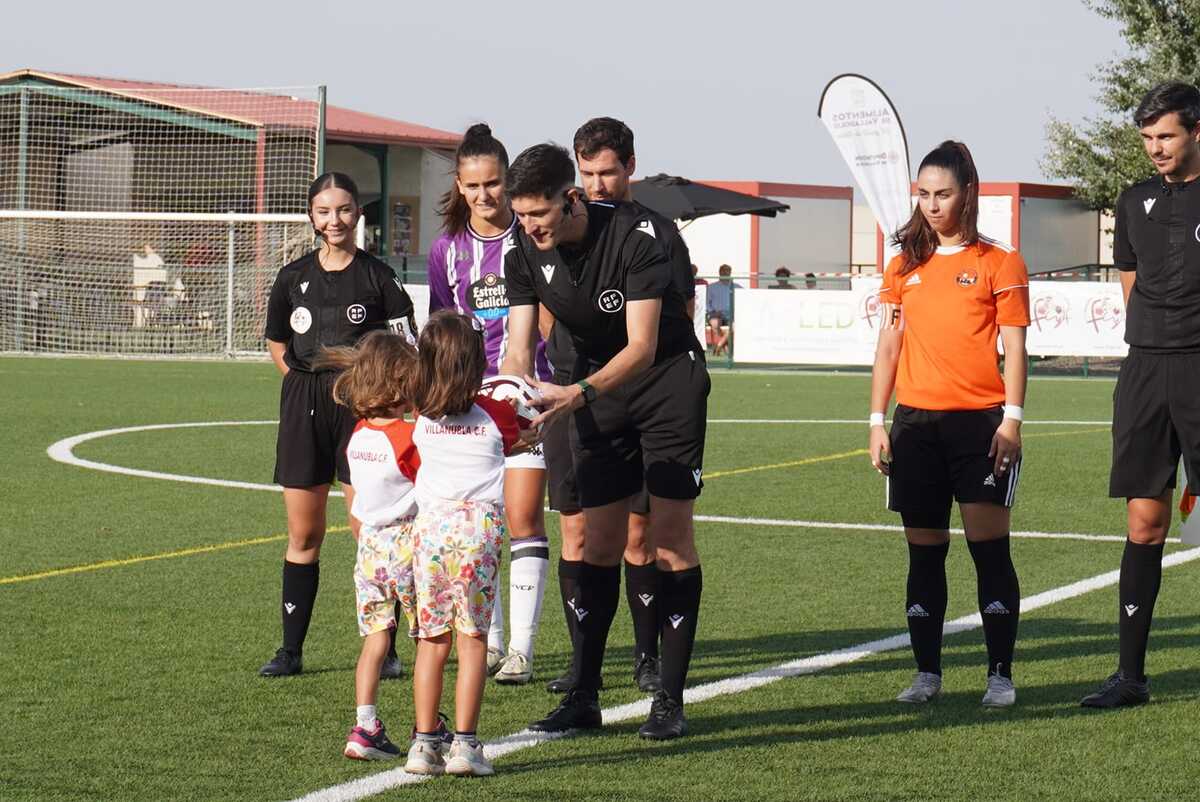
{"points": [[1015, 412], [876, 419]]}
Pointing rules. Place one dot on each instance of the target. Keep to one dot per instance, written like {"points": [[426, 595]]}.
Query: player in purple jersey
{"points": [[466, 273]]}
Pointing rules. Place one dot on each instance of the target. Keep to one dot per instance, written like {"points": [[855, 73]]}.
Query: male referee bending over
{"points": [[638, 407], [604, 153], [1156, 406]]}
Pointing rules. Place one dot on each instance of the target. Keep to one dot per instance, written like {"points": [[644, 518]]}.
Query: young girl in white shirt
{"points": [[462, 438]]}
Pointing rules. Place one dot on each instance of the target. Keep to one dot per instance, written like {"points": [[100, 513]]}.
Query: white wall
{"points": [[1058, 233], [811, 237], [436, 176], [719, 239], [1107, 223], [995, 217], [863, 238]]}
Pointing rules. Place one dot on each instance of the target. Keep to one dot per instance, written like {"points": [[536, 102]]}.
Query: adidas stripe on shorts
{"points": [[939, 457]]}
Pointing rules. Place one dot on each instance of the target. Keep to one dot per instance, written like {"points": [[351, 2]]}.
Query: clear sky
{"points": [[712, 90]]}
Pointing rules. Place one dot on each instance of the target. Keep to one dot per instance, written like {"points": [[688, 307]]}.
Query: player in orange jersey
{"points": [[956, 432]]}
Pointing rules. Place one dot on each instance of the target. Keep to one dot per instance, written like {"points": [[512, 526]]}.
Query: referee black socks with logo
{"points": [[925, 604], [568, 586], [679, 604], [299, 592], [595, 606], [999, 601], [642, 592], [1141, 575]]}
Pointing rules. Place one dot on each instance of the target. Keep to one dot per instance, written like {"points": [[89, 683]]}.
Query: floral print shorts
{"points": [[383, 575], [456, 566]]}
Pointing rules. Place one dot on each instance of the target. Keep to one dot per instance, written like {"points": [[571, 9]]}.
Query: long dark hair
{"points": [[450, 365], [916, 239], [477, 141], [375, 374]]}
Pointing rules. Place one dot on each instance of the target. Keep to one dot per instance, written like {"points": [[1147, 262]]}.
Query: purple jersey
{"points": [[466, 273]]}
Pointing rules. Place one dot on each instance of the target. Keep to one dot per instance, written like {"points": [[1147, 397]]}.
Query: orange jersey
{"points": [[952, 309]]}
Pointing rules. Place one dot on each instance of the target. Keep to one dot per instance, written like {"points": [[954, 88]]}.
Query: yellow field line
{"points": [[793, 464], [1066, 434], [862, 452], [166, 555]]}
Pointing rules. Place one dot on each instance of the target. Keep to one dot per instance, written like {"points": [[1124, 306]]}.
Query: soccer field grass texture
{"points": [[137, 681]]}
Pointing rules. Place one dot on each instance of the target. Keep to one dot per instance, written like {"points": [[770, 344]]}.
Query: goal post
{"points": [[184, 284], [149, 219]]}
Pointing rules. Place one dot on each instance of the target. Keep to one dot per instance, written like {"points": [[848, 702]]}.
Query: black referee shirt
{"points": [[559, 350], [1158, 235], [586, 285], [311, 307]]}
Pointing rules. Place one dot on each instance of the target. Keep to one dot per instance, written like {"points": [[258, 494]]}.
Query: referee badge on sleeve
{"points": [[301, 319], [404, 327]]}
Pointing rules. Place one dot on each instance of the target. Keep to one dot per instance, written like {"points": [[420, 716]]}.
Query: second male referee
{"points": [[1156, 405], [638, 408]]}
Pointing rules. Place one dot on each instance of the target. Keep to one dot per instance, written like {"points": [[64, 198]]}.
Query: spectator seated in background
{"points": [[783, 279], [720, 302]]}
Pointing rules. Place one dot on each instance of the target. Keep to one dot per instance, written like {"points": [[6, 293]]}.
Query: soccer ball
{"points": [[503, 388]]}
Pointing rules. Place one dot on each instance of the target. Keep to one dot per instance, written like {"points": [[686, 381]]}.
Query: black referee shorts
{"points": [[941, 456], [648, 434], [560, 467], [1156, 419], [310, 448]]}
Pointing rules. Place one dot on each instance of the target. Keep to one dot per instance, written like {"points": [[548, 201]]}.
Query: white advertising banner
{"points": [[840, 327], [813, 327], [867, 130], [1076, 318]]}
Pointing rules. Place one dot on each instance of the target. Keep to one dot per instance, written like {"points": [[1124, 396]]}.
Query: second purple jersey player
{"points": [[466, 273]]}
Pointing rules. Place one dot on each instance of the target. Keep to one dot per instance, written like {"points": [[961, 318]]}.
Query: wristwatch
{"points": [[589, 392]]}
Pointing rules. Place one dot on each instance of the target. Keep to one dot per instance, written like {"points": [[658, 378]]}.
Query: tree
{"points": [[1104, 155]]}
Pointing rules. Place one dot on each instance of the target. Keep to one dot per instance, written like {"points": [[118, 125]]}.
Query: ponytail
{"points": [[916, 239], [477, 141]]}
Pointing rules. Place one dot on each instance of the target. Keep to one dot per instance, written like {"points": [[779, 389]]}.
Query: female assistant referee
{"points": [[330, 297], [956, 432]]}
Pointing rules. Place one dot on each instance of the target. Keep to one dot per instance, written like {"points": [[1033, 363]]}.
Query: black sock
{"points": [[299, 592], [925, 604], [680, 605], [1141, 575], [399, 613], [999, 601], [641, 591], [568, 588], [595, 605]]}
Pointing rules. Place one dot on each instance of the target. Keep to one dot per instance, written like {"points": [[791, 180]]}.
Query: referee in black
{"points": [[638, 407], [1156, 406], [330, 297], [605, 157]]}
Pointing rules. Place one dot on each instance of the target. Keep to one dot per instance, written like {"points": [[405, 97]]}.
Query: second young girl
{"points": [[466, 273], [463, 439]]}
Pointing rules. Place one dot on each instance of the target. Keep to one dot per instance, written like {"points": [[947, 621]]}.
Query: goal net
{"points": [[148, 219]]}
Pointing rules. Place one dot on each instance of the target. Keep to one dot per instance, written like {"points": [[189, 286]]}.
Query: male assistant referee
{"points": [[638, 407], [1156, 406]]}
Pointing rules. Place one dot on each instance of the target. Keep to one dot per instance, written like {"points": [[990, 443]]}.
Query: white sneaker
{"points": [[1000, 692], [924, 688], [424, 758], [494, 658], [515, 670], [467, 760]]}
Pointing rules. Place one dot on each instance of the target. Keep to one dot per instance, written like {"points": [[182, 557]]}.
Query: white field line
{"points": [[63, 451], [383, 781]]}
